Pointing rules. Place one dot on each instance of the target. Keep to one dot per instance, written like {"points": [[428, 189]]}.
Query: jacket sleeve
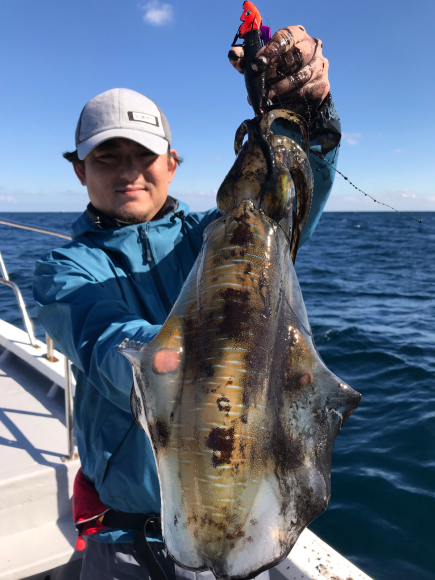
{"points": [[325, 135], [88, 319], [323, 174]]}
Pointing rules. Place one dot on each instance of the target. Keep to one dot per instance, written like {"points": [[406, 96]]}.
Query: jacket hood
{"points": [[85, 226]]}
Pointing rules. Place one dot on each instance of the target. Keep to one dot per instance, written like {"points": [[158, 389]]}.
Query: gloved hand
{"points": [[296, 70]]}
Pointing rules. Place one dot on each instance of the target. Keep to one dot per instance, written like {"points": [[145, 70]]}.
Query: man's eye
{"points": [[107, 156]]}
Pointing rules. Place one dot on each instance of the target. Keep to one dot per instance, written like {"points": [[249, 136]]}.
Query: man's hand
{"points": [[296, 70]]}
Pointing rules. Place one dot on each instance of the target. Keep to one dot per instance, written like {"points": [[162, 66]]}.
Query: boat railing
{"points": [[4, 279], [35, 229]]}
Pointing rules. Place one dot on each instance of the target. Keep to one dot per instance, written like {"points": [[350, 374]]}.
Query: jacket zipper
{"points": [[146, 247]]}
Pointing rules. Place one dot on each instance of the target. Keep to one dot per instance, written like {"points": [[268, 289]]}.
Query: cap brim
{"points": [[154, 143]]}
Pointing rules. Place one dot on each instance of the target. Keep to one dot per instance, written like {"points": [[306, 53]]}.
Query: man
{"points": [[116, 281]]}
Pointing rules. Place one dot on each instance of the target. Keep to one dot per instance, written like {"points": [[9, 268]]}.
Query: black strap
{"points": [[144, 523], [124, 520], [144, 551]]}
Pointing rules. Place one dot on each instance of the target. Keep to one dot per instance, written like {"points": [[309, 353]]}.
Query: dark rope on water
{"points": [[407, 215]]}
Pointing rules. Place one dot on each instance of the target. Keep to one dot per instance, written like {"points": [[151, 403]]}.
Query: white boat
{"points": [[38, 463]]}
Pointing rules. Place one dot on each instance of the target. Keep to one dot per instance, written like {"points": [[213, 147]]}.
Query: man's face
{"points": [[125, 180]]}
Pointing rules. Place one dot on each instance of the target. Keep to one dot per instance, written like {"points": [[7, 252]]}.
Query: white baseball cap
{"points": [[122, 113]]}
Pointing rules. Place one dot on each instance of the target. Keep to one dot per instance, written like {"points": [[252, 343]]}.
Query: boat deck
{"points": [[37, 535]]}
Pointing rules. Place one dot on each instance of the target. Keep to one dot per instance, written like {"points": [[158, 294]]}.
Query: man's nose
{"points": [[129, 169]]}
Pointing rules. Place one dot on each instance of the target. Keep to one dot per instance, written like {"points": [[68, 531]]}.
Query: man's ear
{"points": [[80, 171], [172, 165]]}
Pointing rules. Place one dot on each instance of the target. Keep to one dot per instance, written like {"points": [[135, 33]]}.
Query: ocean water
{"points": [[368, 282]]}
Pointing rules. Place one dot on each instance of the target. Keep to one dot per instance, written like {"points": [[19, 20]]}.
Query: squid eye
{"points": [[248, 13]]}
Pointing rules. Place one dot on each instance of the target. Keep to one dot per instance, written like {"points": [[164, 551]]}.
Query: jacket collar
{"points": [[85, 225], [104, 221]]}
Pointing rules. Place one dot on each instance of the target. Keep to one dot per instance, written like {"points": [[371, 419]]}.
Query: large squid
{"points": [[240, 409]]}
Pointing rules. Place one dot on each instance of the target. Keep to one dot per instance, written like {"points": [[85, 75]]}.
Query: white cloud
{"points": [[402, 199], [394, 195], [8, 198], [157, 13], [397, 151], [351, 138]]}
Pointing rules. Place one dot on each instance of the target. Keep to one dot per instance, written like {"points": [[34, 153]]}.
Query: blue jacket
{"points": [[95, 292]]}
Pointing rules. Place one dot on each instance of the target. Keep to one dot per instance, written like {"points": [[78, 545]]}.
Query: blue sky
{"points": [[56, 55]]}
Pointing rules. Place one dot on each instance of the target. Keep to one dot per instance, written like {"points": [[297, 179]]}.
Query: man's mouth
{"points": [[130, 190]]}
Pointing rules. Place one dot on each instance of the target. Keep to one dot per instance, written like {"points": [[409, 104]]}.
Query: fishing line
{"points": [[407, 215], [282, 104]]}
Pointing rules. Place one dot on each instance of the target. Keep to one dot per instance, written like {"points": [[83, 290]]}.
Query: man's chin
{"points": [[128, 217], [130, 214]]}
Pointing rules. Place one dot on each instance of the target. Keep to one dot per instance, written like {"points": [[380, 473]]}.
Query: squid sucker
{"points": [[240, 409]]}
